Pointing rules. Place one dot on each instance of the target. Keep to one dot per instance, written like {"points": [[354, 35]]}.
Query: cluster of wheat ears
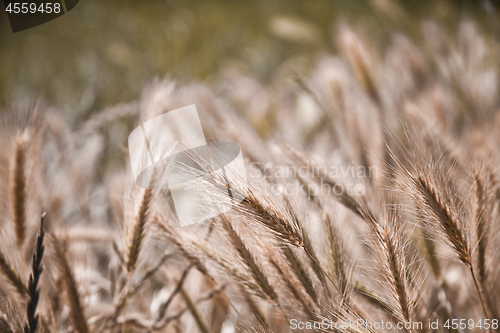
{"points": [[84, 250]]}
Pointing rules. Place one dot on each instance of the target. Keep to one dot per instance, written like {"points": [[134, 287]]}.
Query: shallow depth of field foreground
{"points": [[373, 195]]}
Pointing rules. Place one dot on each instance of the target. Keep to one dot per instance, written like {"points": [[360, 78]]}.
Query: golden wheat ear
{"points": [[136, 232], [441, 204], [18, 188]]}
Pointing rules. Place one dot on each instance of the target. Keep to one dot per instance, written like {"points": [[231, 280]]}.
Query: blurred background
{"points": [[103, 52]]}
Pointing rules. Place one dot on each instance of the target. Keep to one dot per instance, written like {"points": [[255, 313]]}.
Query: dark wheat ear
{"points": [[33, 292]]}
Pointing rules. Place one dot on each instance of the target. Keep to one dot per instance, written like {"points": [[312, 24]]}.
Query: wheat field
{"points": [[372, 202]]}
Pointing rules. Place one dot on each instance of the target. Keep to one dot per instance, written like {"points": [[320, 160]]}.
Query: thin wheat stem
{"points": [[480, 294], [194, 311], [177, 289]]}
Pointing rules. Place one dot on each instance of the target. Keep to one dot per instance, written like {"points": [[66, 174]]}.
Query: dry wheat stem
{"points": [[194, 311], [177, 315], [164, 306]]}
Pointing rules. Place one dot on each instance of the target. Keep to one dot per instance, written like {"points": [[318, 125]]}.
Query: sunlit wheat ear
{"points": [[77, 314], [438, 206], [248, 259], [435, 195], [18, 188], [300, 272], [136, 231], [34, 293], [391, 252], [294, 288], [272, 218], [336, 254], [437, 198]]}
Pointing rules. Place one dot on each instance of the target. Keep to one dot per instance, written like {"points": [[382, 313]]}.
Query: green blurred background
{"points": [[104, 52]]}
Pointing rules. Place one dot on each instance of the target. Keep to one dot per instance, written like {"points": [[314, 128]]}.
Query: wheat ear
{"points": [[272, 219], [294, 289], [33, 292], [436, 198], [391, 252], [136, 234], [248, 259], [18, 190]]}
